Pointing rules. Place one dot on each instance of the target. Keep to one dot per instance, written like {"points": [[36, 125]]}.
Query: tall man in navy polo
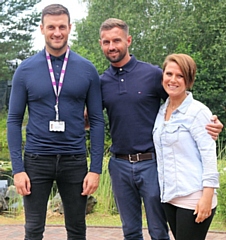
{"points": [[56, 85], [132, 92]]}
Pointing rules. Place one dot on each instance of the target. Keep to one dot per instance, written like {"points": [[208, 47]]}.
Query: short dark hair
{"points": [[55, 9], [112, 23]]}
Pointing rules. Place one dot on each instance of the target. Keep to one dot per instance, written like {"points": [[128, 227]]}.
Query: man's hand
{"points": [[214, 128], [90, 183], [22, 183]]}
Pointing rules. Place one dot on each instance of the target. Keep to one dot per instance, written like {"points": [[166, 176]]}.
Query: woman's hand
{"points": [[204, 206]]}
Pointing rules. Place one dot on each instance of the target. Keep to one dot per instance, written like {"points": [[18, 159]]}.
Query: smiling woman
{"points": [[188, 175], [77, 12]]}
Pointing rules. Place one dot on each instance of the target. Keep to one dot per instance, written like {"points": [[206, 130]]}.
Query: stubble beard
{"points": [[57, 48], [117, 59]]}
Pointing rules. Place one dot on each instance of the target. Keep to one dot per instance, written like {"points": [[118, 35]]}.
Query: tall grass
{"points": [[221, 208], [104, 194], [221, 148]]}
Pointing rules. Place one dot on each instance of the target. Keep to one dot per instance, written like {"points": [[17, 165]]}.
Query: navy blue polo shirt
{"points": [[132, 96], [32, 88]]}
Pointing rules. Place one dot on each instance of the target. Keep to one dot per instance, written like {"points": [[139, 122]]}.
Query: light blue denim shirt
{"points": [[186, 153]]}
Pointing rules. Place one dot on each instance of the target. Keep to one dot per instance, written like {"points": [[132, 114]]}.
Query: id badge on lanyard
{"points": [[57, 125]]}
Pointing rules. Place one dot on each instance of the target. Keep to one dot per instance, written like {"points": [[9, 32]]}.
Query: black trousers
{"points": [[182, 223], [68, 172]]}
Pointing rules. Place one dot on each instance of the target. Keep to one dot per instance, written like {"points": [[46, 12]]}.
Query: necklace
{"points": [[176, 104], [173, 107]]}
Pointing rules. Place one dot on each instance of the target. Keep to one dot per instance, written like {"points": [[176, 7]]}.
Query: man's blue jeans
{"points": [[68, 172], [132, 183]]}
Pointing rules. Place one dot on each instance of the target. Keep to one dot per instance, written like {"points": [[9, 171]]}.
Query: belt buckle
{"points": [[137, 156]]}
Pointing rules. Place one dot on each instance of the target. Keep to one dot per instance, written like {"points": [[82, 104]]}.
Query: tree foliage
{"points": [[161, 27], [18, 20]]}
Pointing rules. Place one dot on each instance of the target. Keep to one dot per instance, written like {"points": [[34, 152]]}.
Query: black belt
{"points": [[136, 157]]}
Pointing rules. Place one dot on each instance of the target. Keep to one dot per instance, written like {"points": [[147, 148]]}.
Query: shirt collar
{"points": [[128, 67], [184, 105], [61, 58]]}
